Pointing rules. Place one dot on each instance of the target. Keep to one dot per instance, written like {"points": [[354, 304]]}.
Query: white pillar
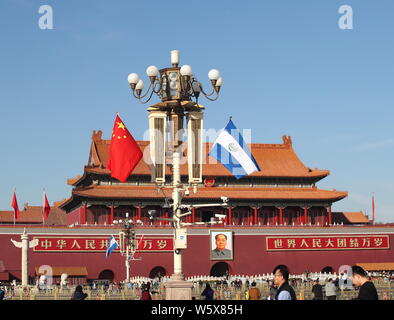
{"points": [[25, 245], [25, 259], [177, 288], [127, 264]]}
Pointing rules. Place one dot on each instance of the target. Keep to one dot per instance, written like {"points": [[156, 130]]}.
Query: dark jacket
{"points": [[367, 292], [2, 293], [79, 296], [317, 290], [288, 288], [208, 293]]}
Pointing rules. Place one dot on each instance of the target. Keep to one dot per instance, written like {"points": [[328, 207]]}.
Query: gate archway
{"points": [[157, 272], [328, 269], [107, 275], [220, 269]]}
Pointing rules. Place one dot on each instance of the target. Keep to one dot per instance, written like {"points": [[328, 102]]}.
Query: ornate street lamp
{"points": [[174, 83], [128, 244], [176, 87]]}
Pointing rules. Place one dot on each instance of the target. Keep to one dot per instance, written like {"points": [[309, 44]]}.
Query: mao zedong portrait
{"points": [[220, 252]]}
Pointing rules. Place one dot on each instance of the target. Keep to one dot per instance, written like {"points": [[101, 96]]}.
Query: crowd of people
{"points": [[280, 284], [282, 288]]}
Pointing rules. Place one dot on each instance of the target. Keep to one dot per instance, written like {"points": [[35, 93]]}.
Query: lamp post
{"points": [[176, 87], [127, 241]]}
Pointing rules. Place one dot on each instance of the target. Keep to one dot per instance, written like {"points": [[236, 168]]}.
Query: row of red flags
{"points": [[46, 208], [124, 156]]}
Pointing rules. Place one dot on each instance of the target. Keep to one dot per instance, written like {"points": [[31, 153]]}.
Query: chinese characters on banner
{"points": [[98, 244], [354, 242]]}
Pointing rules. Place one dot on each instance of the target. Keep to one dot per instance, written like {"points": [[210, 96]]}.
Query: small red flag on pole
{"points": [[46, 208], [373, 208], [14, 205], [124, 152]]}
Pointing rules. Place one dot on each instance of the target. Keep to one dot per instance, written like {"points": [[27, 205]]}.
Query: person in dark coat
{"points": [[367, 288], [208, 292], [317, 290], [78, 294]]}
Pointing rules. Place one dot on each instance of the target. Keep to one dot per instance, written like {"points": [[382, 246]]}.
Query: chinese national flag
{"points": [[124, 153], [46, 208], [14, 205]]}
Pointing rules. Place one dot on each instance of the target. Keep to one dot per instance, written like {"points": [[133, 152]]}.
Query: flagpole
{"points": [[43, 204], [373, 208], [14, 209]]}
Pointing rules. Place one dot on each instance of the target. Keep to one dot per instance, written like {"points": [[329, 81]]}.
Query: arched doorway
{"points": [[220, 269], [157, 272], [107, 275], [327, 269]]}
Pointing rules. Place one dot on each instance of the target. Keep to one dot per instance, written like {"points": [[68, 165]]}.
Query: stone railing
{"points": [[222, 292]]}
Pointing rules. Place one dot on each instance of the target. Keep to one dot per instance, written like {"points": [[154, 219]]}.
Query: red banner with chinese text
{"points": [[99, 244], [353, 242]]}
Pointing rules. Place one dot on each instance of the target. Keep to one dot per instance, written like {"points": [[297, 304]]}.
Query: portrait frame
{"points": [[229, 249]]}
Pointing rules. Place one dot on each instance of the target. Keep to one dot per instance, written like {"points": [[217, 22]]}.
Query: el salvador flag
{"points": [[112, 245], [232, 152]]}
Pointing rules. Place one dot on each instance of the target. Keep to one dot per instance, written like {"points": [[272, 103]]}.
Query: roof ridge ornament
{"points": [[287, 141], [96, 136]]}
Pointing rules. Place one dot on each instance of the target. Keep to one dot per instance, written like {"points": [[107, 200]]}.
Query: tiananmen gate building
{"points": [[275, 216]]}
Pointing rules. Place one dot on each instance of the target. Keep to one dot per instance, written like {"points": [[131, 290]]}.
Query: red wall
{"points": [[250, 257], [74, 216]]}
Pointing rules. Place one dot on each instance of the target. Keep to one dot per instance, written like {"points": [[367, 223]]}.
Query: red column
{"points": [[230, 218], [193, 215], [139, 213], [255, 216], [84, 214], [280, 215], [329, 216], [111, 215], [305, 215], [275, 217]]}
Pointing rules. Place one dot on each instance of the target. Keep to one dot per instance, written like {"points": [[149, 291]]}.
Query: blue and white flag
{"points": [[112, 245], [232, 152]]}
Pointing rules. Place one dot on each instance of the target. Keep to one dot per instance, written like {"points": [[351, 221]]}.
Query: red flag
{"points": [[14, 204], [46, 208], [124, 153]]}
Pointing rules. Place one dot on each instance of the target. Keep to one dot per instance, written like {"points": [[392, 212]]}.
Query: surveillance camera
{"points": [[177, 251], [224, 199]]}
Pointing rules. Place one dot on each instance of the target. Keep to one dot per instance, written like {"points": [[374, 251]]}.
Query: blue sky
{"points": [[288, 70]]}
